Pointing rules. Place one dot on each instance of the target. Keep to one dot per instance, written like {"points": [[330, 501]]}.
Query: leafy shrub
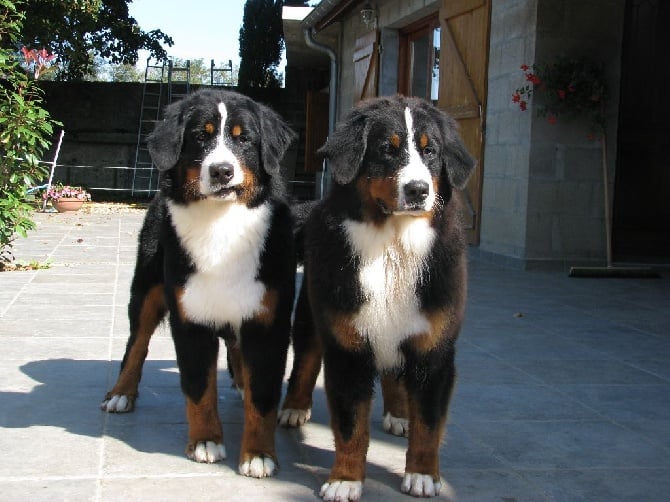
{"points": [[25, 132]]}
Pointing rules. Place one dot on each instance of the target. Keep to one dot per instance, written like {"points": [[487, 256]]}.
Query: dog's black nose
{"points": [[222, 172], [416, 191]]}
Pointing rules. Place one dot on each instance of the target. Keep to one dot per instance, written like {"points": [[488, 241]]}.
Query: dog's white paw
{"points": [[396, 426], [342, 491], [117, 404], [207, 452], [258, 467], [420, 485], [293, 418]]}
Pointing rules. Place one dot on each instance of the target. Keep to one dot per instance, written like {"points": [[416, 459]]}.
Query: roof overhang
{"points": [[295, 21]]}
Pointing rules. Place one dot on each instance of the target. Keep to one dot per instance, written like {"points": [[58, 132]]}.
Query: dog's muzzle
{"points": [[220, 176], [414, 196]]}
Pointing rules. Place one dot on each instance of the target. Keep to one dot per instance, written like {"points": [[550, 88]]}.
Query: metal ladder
{"points": [[145, 179], [179, 81], [217, 75]]}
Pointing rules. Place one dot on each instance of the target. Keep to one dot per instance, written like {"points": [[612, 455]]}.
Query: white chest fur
{"points": [[224, 241], [392, 261]]}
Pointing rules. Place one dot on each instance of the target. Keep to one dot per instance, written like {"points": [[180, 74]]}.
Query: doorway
{"points": [[641, 215]]}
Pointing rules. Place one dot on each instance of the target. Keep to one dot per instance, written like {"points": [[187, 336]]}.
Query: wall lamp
{"points": [[368, 16]]}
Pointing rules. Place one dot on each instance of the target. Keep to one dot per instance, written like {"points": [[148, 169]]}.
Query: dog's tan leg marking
{"points": [[266, 316], [396, 413], [297, 407], [345, 332], [122, 396], [235, 357], [348, 472], [205, 435], [258, 458], [422, 464]]}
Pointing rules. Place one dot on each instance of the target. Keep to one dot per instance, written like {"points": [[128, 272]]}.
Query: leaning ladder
{"points": [[145, 179], [179, 81]]}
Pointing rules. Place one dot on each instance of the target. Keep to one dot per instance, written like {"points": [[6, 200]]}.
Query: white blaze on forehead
{"points": [[415, 170], [220, 154]]}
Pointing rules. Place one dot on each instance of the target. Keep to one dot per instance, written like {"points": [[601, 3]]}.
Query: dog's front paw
{"points": [[396, 426], [258, 467], [341, 490], [118, 403], [293, 418], [207, 452], [420, 485]]}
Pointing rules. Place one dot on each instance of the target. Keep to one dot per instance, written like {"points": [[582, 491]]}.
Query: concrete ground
{"points": [[563, 391]]}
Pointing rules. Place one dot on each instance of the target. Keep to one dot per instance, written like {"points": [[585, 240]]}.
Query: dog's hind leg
{"points": [[395, 405], [145, 311], [297, 407]]}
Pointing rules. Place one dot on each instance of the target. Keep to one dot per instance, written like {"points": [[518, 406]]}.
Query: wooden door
{"points": [[366, 66], [641, 229], [316, 130], [464, 50]]}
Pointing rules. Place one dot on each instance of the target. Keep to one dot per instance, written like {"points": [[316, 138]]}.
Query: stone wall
{"points": [[542, 192]]}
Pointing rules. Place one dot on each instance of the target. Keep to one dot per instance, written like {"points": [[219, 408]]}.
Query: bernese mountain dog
{"points": [[215, 251], [384, 288]]}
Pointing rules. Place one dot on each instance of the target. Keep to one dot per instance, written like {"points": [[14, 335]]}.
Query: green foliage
{"points": [[25, 129], [79, 31], [261, 44]]}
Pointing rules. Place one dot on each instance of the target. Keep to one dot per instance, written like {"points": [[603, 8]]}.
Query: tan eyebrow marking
{"points": [[236, 131], [209, 128], [423, 141], [395, 140]]}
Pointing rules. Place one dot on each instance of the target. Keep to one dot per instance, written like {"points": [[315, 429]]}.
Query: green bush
{"points": [[25, 132]]}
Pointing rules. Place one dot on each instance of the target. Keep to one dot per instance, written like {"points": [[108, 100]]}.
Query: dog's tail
{"points": [[301, 212]]}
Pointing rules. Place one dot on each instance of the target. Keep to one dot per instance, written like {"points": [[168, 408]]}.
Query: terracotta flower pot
{"points": [[65, 204]]}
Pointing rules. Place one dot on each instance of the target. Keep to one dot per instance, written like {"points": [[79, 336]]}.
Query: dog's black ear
{"points": [[456, 160], [345, 148], [166, 140], [276, 137]]}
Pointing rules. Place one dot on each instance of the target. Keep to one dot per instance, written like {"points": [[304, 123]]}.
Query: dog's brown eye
{"points": [[428, 151]]}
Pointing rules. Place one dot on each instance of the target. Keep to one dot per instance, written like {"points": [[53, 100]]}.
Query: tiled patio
{"points": [[563, 392]]}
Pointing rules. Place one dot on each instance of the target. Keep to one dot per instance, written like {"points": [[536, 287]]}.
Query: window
{"points": [[420, 59]]}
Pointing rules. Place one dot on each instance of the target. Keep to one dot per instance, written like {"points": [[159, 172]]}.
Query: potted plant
{"points": [[66, 197]]}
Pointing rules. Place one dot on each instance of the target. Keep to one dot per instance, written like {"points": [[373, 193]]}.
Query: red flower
{"points": [[29, 55], [523, 105], [516, 97], [552, 119], [524, 67], [531, 77], [561, 93], [45, 56]]}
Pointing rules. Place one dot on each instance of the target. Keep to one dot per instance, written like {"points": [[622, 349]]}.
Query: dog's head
{"points": [[219, 145], [398, 151]]}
